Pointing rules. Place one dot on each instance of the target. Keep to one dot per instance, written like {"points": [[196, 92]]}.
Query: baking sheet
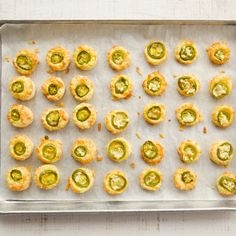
{"points": [[134, 38]]}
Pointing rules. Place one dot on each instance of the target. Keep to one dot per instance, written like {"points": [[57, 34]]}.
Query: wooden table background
{"points": [[206, 223]]}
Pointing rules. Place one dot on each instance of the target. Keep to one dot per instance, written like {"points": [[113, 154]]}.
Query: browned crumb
{"points": [[50, 71], [204, 130], [169, 120], [138, 135], [133, 165], [175, 76], [99, 158], [182, 127], [7, 59], [67, 185], [139, 97], [36, 50], [162, 135], [67, 70], [138, 113], [60, 104], [138, 70], [46, 137], [99, 126], [31, 42], [222, 71]]}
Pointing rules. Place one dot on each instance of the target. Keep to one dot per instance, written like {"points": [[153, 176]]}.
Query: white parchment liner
{"points": [[134, 38]]}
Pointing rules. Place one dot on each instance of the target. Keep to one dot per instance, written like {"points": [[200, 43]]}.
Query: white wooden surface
{"points": [[214, 223]]}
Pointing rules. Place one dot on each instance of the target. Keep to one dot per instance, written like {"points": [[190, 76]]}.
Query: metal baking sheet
{"points": [[134, 36]]}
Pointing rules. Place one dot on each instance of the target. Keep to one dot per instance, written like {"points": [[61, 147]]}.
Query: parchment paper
{"points": [[134, 38]]}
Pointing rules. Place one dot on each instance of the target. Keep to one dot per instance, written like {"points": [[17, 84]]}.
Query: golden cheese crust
{"points": [[25, 61], [151, 179], [185, 179], [155, 84], [84, 151], [58, 58], [22, 88], [20, 116], [53, 88], [115, 182], [21, 147], [18, 178], [85, 57], [154, 113], [218, 53], [155, 52], [186, 52], [54, 119], [226, 184], [84, 116], [118, 58], [223, 116], [81, 88], [49, 151]]}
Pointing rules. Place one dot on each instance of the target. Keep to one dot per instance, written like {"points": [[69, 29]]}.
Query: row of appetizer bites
{"points": [[121, 87], [84, 150], [85, 57], [116, 121], [81, 180]]}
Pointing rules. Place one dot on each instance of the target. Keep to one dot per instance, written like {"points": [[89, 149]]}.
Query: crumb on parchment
{"points": [[99, 158], [138, 135], [67, 185], [46, 137], [138, 70], [36, 50], [222, 71], [31, 42], [99, 126], [162, 135], [182, 128], [67, 70], [50, 71], [7, 58], [175, 76], [139, 97], [60, 104], [138, 113], [204, 130], [133, 165], [169, 120]]}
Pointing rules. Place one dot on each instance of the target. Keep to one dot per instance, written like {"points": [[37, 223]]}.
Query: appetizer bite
{"points": [[47, 177], [21, 147], [81, 88], [116, 121], [53, 88], [189, 151], [226, 184], [81, 180], [115, 182], [154, 113], [18, 179], [220, 86], [150, 179], [155, 84], [155, 52], [118, 149], [188, 114], [185, 179], [218, 53], [84, 116], [188, 85], [49, 151], [54, 119], [152, 152], [186, 52], [118, 58], [20, 116], [58, 58], [221, 153], [85, 57], [223, 116], [121, 87], [84, 151], [22, 88], [25, 61]]}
